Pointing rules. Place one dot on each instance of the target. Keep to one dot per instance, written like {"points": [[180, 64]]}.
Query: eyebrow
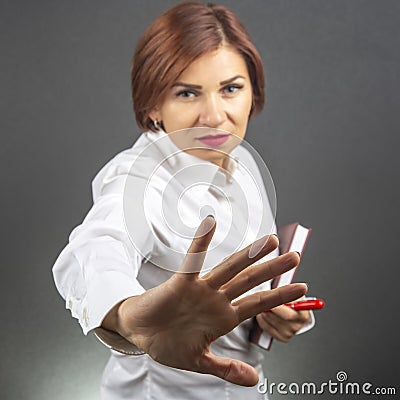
{"points": [[191, 86], [231, 79]]}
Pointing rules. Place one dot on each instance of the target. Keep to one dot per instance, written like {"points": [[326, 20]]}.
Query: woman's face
{"points": [[213, 92]]}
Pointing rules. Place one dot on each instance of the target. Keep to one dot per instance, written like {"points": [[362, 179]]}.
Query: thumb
{"points": [[196, 254], [229, 369]]}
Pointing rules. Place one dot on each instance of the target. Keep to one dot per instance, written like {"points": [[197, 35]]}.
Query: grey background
{"points": [[329, 134]]}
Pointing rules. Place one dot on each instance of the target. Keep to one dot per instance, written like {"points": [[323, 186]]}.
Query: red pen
{"points": [[309, 303]]}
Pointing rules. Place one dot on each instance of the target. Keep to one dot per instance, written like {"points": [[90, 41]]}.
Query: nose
{"points": [[212, 113]]}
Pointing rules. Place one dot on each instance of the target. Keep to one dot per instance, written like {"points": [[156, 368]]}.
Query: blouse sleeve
{"points": [[99, 266]]}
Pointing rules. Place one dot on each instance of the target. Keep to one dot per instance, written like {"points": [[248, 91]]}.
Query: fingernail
{"points": [[205, 226], [257, 246]]}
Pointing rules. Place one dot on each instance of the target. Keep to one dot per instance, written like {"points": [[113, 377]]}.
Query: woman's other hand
{"points": [[283, 322], [175, 322]]}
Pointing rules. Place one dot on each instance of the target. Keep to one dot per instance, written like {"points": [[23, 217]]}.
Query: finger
{"points": [[284, 329], [266, 324], [284, 312], [229, 369], [254, 304], [235, 263], [196, 254], [277, 333], [253, 276], [287, 324], [304, 316], [279, 322]]}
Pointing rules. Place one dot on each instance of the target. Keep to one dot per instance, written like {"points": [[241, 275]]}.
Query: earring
{"points": [[156, 125]]}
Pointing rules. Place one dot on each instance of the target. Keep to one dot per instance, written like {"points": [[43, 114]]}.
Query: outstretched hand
{"points": [[175, 322]]}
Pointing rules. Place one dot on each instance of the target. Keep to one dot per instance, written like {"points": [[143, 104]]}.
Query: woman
{"points": [[133, 274]]}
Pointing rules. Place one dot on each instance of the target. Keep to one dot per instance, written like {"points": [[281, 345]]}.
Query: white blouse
{"points": [[147, 203]]}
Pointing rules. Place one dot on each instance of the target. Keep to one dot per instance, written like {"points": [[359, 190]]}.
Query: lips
{"points": [[213, 140]]}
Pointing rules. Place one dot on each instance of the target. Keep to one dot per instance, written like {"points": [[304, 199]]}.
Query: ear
{"points": [[155, 114]]}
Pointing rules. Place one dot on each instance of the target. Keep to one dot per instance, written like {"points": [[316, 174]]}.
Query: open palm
{"points": [[176, 322]]}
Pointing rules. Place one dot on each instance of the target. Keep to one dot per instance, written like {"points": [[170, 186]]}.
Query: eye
{"points": [[186, 94], [231, 89]]}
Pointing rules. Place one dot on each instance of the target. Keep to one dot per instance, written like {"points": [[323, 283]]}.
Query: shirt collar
{"points": [[189, 169]]}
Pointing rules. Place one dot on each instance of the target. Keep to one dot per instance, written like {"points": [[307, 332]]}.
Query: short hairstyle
{"points": [[174, 40]]}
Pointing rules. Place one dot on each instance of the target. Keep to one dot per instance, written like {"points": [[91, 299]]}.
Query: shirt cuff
{"points": [[116, 342], [107, 290]]}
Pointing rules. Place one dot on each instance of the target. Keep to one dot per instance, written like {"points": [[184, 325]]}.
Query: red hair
{"points": [[178, 37]]}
